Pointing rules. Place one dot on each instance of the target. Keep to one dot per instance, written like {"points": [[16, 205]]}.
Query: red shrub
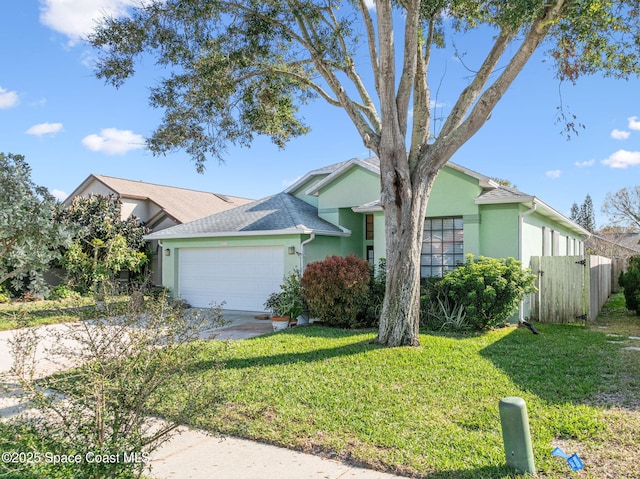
{"points": [[336, 289]]}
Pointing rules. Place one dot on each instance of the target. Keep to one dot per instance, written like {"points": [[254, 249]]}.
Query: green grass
{"points": [[43, 312], [615, 318], [430, 411], [39, 313]]}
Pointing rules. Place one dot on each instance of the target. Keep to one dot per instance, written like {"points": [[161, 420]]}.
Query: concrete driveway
{"points": [[242, 325]]}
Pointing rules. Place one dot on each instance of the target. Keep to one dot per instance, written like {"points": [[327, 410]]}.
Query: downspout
{"points": [[521, 217], [302, 245]]}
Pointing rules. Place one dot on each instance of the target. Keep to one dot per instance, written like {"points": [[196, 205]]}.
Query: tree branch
{"points": [[326, 70], [455, 137], [411, 54], [421, 99], [470, 94], [371, 42]]}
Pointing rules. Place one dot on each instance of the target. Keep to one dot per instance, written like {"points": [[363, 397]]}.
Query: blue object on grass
{"points": [[574, 461]]}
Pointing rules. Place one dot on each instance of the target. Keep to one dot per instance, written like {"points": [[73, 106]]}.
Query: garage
{"points": [[242, 277]]}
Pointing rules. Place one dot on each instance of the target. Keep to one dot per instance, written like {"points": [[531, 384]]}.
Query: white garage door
{"points": [[242, 277]]}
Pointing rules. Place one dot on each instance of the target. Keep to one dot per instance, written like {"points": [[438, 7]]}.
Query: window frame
{"points": [[442, 246]]}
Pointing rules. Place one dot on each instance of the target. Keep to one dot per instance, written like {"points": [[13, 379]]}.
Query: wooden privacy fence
{"points": [[570, 288]]}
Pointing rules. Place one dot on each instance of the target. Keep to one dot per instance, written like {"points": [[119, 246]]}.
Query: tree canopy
{"points": [[30, 238], [623, 207], [237, 69], [104, 243], [584, 215]]}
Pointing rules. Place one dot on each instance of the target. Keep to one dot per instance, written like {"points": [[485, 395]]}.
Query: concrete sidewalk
{"points": [[195, 455]]}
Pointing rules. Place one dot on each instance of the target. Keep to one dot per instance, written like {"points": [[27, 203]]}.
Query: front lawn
{"points": [[433, 411], [38, 313]]}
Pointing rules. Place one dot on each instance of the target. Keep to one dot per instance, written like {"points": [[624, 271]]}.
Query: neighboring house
{"points": [[614, 243], [157, 206], [240, 255]]}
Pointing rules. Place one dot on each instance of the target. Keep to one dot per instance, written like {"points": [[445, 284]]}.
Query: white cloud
{"points": [[113, 141], [622, 159], [60, 195], [553, 174], [371, 4], [45, 129], [620, 134], [582, 164], [39, 103], [77, 18], [8, 99], [634, 124]]}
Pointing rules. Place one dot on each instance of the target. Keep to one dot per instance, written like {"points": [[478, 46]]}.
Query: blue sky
{"points": [[69, 124]]}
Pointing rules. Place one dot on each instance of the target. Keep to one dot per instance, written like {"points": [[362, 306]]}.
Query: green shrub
{"points": [[489, 290], [4, 295], [438, 311], [289, 301], [370, 313], [630, 281], [62, 292], [336, 289]]}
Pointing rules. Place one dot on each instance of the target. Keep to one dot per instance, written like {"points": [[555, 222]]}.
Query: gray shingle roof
{"points": [[272, 215], [503, 194]]}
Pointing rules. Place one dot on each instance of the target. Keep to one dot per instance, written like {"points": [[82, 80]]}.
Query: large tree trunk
{"points": [[404, 199]]}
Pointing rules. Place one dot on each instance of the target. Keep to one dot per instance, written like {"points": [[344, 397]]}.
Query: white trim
{"points": [[313, 190], [505, 200], [374, 207], [218, 234], [484, 181]]}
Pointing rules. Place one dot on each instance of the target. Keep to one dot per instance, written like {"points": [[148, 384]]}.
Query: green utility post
{"points": [[516, 435]]}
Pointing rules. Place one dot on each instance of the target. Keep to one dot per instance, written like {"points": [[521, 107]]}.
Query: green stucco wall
{"points": [[499, 230], [355, 187], [299, 192], [453, 194]]}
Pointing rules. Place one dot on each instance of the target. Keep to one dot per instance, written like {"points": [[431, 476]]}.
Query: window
{"points": [[370, 256], [369, 227], [442, 246]]}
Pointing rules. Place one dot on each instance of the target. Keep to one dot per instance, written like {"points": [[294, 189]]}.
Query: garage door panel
{"points": [[242, 277]]}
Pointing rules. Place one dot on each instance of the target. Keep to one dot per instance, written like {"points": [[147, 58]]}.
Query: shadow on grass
{"points": [[564, 363], [487, 472], [273, 357]]}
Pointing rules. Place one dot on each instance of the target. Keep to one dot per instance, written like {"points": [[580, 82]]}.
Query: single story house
{"points": [[157, 206], [241, 255]]}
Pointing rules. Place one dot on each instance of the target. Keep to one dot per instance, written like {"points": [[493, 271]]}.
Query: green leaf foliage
{"points": [[239, 69], [105, 243], [488, 289], [630, 281], [29, 237]]}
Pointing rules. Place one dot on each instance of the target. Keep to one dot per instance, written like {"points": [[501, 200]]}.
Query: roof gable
{"points": [[181, 204]]}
